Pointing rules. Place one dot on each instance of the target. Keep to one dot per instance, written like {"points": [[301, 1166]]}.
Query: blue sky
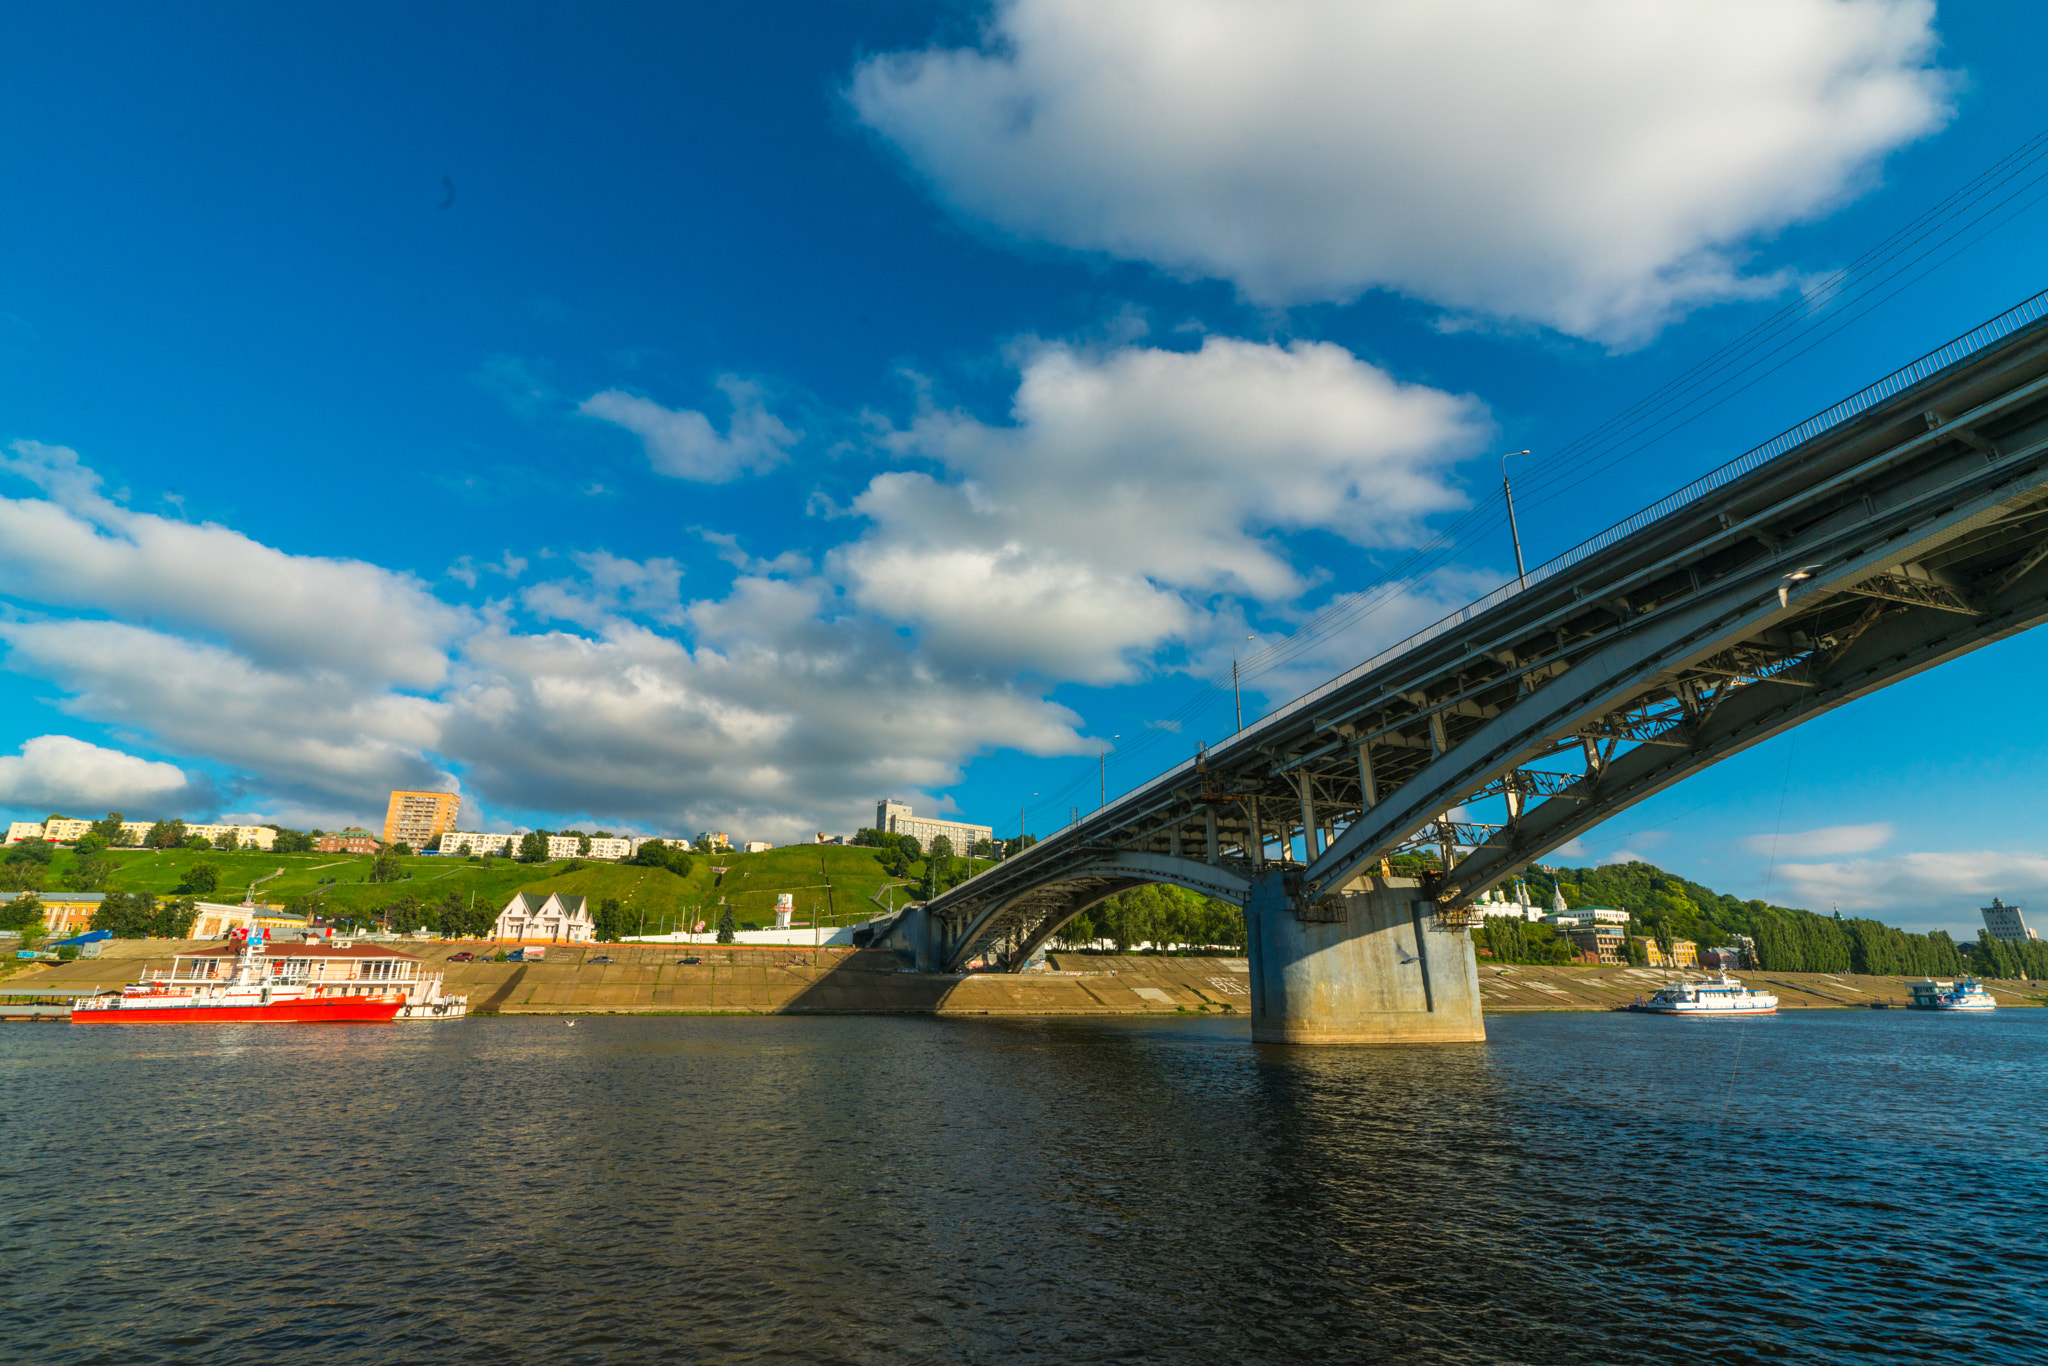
{"points": [[676, 418]]}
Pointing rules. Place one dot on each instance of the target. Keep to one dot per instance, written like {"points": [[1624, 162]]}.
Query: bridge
{"points": [[1901, 528]]}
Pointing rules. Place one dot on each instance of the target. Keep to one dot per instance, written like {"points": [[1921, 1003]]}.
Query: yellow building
{"points": [[418, 818]]}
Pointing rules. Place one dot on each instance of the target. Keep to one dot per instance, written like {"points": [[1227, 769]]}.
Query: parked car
{"points": [[691, 962], [601, 958], [462, 958]]}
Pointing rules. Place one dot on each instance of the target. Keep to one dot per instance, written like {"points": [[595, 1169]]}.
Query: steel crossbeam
{"points": [[1881, 546]]}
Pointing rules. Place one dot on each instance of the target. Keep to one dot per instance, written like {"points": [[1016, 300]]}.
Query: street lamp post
{"points": [[1237, 701], [1105, 769], [1508, 492]]}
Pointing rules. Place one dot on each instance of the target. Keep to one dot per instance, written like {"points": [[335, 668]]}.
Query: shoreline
{"points": [[740, 980]]}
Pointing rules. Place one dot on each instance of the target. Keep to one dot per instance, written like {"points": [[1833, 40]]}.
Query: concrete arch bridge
{"points": [[1901, 528]]}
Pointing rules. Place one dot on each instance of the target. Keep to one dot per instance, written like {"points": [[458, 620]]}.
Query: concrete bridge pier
{"points": [[1365, 964]]}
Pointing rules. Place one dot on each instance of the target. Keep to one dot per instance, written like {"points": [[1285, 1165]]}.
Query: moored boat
{"points": [[251, 981], [1717, 997], [1964, 994]]}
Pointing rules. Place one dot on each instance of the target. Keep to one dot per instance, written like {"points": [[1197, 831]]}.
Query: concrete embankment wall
{"points": [[756, 981]]}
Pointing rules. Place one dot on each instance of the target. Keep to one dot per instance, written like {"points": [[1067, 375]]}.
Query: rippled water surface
{"points": [[1827, 1186]]}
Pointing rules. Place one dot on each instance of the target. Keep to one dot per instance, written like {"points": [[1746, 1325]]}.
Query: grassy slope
{"points": [[749, 885]]}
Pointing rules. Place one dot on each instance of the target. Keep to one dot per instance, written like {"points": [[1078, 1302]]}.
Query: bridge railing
{"points": [[1976, 339]]}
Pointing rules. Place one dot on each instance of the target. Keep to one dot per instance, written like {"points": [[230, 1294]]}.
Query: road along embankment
{"points": [[738, 980]]}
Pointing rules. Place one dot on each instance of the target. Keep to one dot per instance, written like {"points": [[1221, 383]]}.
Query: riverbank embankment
{"points": [[741, 980]]}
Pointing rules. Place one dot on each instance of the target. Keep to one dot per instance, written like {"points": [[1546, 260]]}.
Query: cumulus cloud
{"points": [[683, 444], [77, 548], [785, 711], [60, 773], [1590, 165], [1834, 839], [1931, 883], [1132, 481]]}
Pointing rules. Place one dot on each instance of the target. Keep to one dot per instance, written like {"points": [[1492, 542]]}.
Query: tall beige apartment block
{"points": [[416, 818]]}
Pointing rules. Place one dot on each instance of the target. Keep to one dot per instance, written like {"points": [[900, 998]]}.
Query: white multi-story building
{"points": [[64, 830], [1585, 917], [2005, 922], [246, 836], [506, 844], [24, 830], [756, 847], [896, 818], [480, 843]]}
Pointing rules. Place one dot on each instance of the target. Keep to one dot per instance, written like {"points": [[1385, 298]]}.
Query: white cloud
{"points": [[60, 773], [787, 713], [1134, 481], [783, 718], [1591, 165], [682, 443], [1834, 839], [310, 732], [79, 549], [1926, 881]]}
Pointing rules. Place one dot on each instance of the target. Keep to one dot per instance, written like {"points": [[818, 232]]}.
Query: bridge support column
{"points": [[1383, 973]]}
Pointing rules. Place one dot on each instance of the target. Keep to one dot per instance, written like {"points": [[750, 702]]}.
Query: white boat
{"points": [[1963, 994], [1709, 998]]}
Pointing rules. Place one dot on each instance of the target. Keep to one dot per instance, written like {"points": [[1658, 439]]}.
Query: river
{"points": [[1827, 1186]]}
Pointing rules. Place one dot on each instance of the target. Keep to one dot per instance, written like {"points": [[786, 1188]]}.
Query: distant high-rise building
{"points": [[2005, 922], [418, 818]]}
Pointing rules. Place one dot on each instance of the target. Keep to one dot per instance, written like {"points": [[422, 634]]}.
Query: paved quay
{"points": [[731, 980]]}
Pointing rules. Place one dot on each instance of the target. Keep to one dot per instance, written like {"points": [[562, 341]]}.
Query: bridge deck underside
{"points": [[1904, 538]]}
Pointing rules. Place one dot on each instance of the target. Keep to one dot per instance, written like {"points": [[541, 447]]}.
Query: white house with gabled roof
{"points": [[552, 918]]}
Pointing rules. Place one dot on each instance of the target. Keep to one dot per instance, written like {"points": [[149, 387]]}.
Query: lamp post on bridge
{"points": [[1507, 491], [1105, 771], [1236, 700]]}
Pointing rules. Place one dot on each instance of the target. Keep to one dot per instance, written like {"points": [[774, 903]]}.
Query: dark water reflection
{"points": [[1824, 1187]]}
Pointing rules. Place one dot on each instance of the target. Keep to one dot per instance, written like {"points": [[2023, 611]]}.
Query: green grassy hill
{"points": [[835, 884]]}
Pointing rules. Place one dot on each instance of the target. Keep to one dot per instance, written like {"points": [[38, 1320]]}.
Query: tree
{"points": [[227, 841], [195, 842], [610, 920], [984, 849], [91, 842], [401, 848], [583, 844], [90, 872], [165, 835], [912, 850], [386, 867], [21, 913], [108, 829], [34, 849], [726, 931], [533, 847], [942, 848], [25, 876], [201, 878], [658, 854], [291, 841], [126, 915]]}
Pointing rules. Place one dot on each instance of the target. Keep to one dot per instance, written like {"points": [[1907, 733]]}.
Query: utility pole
{"points": [[1508, 492], [1235, 699], [1105, 771]]}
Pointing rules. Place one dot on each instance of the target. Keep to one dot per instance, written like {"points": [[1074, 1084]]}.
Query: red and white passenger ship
{"points": [[250, 980]]}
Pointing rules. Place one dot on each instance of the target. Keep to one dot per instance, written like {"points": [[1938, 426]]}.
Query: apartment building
{"points": [[415, 818]]}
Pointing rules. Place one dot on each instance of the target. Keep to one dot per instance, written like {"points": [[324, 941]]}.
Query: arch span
{"points": [[1011, 929]]}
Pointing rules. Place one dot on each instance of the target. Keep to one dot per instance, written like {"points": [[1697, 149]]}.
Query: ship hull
{"points": [[339, 1010], [1707, 1014]]}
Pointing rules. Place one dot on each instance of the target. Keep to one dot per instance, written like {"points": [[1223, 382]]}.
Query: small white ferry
{"points": [[1965, 994], [1712, 998]]}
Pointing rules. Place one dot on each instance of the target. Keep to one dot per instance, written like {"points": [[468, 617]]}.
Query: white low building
{"points": [[553, 918], [505, 844]]}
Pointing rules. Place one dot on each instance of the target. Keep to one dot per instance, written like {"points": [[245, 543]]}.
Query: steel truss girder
{"points": [[1586, 696]]}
